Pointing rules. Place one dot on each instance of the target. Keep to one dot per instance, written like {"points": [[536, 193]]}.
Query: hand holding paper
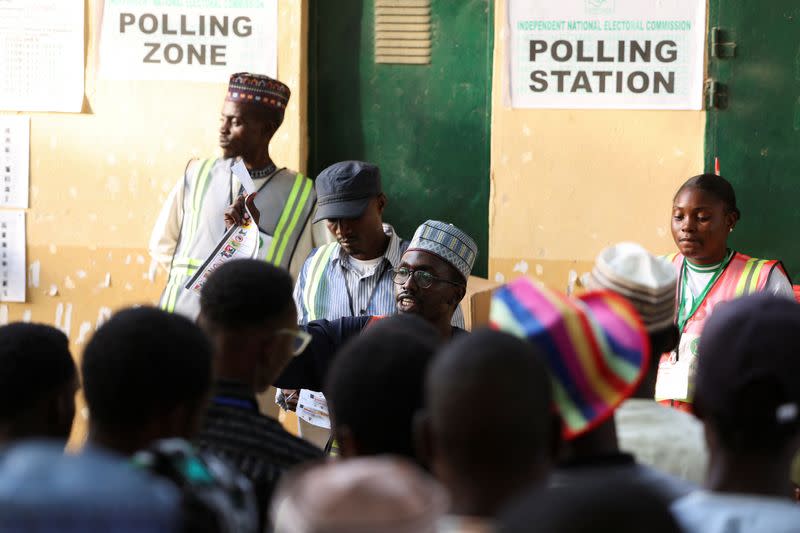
{"points": [[313, 408], [241, 241], [241, 211], [237, 214]]}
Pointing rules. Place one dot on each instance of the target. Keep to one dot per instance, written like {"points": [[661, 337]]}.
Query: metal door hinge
{"points": [[721, 47], [716, 94]]}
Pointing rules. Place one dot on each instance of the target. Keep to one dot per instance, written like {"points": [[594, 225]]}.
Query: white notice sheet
{"points": [[12, 256], [14, 160], [41, 55]]}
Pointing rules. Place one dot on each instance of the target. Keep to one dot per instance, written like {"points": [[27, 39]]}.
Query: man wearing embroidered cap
{"points": [[352, 276], [597, 351], [430, 281], [667, 439], [191, 222], [432, 277]]}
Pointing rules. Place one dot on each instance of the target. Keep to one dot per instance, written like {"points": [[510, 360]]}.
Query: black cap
{"points": [[749, 345], [344, 189]]}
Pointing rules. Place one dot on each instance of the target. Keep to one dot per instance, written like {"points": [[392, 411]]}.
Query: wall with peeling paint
{"points": [[98, 179], [566, 183]]}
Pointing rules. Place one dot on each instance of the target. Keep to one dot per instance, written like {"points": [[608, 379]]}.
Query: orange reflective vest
{"points": [[676, 370]]}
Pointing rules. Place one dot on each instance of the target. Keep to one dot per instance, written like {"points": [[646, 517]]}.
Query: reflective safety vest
{"points": [[742, 276], [285, 203], [319, 264]]}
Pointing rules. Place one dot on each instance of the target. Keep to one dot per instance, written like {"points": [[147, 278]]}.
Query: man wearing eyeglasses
{"points": [[352, 276], [430, 281], [246, 309]]}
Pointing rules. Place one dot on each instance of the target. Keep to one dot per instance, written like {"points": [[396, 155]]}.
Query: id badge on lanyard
{"points": [[676, 374]]}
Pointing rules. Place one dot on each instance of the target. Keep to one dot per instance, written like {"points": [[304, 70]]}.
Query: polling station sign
{"points": [[606, 54], [189, 40]]}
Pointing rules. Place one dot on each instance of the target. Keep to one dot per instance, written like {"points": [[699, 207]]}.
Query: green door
{"points": [[426, 126], [756, 132]]}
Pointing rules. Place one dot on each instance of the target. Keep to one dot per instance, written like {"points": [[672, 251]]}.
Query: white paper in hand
{"points": [[241, 173], [239, 242], [312, 407]]}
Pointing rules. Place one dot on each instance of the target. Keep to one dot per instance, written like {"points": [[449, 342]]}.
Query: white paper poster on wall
{"points": [[188, 40], [15, 134], [12, 256], [606, 54], [41, 55]]}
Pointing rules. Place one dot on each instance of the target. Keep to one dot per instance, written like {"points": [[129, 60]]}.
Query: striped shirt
{"points": [[374, 291], [235, 431]]}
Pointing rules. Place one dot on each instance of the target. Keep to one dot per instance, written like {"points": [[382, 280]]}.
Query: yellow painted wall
{"points": [[566, 183], [98, 179]]}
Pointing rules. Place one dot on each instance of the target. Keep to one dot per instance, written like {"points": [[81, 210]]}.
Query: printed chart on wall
{"points": [[188, 40], [606, 54], [41, 55], [12, 256], [15, 134]]}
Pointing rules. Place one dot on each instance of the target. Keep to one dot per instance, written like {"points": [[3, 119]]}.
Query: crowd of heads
{"points": [[435, 429]]}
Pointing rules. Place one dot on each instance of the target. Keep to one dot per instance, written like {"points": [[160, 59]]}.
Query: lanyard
{"points": [[377, 274], [235, 402], [683, 316]]}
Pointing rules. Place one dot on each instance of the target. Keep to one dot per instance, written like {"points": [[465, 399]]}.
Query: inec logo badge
{"points": [[599, 7]]}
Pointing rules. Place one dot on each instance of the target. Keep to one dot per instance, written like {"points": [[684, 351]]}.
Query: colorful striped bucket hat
{"points": [[595, 345]]}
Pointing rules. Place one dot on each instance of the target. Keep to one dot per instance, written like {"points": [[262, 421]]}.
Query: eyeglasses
{"points": [[300, 339], [421, 278]]}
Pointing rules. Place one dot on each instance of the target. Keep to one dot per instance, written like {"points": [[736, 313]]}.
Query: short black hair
{"points": [[34, 362], [375, 385], [245, 293], [715, 185], [482, 436], [143, 363], [595, 505]]}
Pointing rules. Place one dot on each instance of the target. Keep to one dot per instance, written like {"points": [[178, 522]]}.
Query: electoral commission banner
{"points": [[190, 40], [606, 54]]}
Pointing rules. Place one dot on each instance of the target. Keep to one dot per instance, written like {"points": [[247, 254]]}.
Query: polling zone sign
{"points": [[190, 40], [606, 54]]}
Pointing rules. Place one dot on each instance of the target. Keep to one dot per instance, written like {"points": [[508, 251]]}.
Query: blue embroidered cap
{"points": [[448, 243]]}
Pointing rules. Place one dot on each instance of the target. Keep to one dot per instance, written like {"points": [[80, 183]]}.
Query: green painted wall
{"points": [[757, 134], [427, 127]]}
